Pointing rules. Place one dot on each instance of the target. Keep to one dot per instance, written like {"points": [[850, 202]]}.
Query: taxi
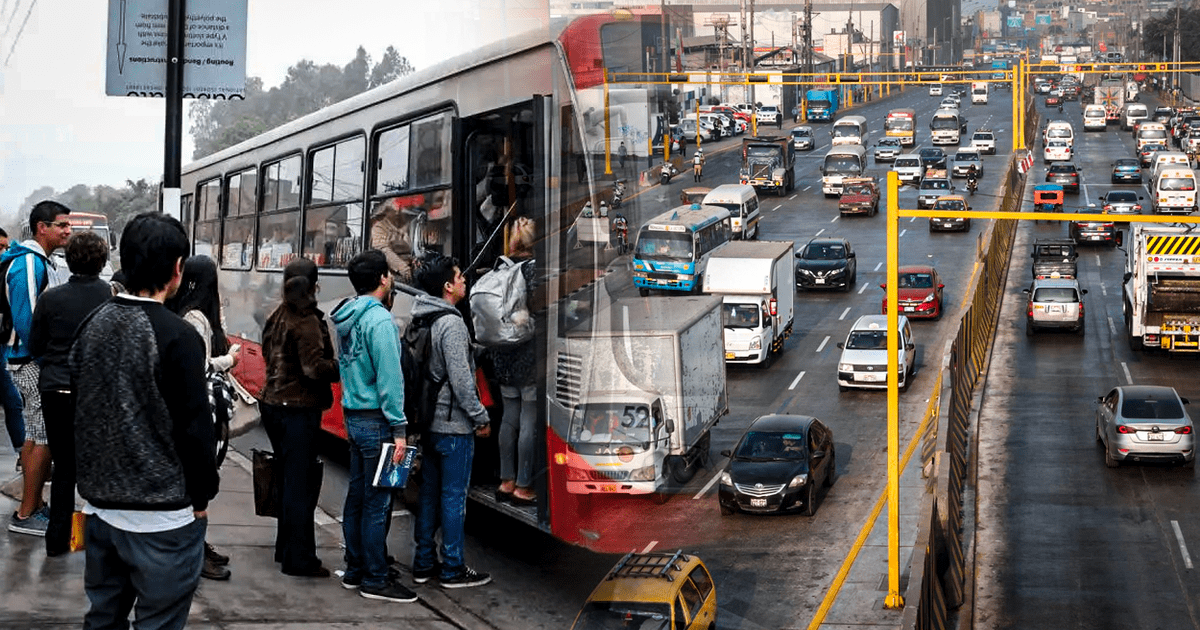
{"points": [[652, 590], [950, 202]]}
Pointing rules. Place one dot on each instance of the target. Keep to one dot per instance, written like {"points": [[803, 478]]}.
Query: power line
{"points": [[11, 16], [17, 38]]}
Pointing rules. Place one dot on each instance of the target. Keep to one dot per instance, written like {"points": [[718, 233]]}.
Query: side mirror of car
{"points": [[941, 286], [910, 346], [1024, 290], [1183, 400], [818, 454], [883, 286], [841, 345], [1100, 399], [851, 255], [728, 453]]}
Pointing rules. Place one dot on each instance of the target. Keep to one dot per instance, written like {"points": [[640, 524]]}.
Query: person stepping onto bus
{"points": [[373, 406], [301, 368], [458, 419]]}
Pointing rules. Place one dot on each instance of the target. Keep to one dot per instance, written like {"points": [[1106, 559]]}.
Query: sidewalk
{"points": [[41, 592]]}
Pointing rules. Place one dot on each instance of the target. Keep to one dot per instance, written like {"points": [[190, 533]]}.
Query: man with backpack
{"points": [[373, 404], [28, 272], [458, 419]]}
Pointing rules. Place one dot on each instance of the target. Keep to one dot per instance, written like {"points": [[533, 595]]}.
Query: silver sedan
{"points": [[1144, 423]]}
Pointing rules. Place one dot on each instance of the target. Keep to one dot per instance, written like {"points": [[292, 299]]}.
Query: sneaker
{"points": [[213, 571], [421, 576], [466, 578], [35, 524], [351, 583], [215, 556], [390, 591]]}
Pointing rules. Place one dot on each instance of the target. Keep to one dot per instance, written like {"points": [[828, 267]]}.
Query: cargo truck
{"points": [[755, 281], [822, 104], [1111, 95], [1161, 296], [643, 386], [767, 163]]}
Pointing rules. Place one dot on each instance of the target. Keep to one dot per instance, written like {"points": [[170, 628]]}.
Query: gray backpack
{"points": [[498, 306]]}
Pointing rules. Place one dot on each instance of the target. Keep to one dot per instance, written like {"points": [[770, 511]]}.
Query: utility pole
{"points": [[808, 42]]}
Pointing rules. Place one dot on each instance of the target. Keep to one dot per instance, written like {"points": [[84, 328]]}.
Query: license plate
{"points": [[728, 356], [1055, 308], [758, 503], [868, 378], [819, 280], [1155, 437], [909, 309], [608, 488]]}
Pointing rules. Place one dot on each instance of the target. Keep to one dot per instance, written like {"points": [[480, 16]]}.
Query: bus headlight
{"points": [[643, 474]]}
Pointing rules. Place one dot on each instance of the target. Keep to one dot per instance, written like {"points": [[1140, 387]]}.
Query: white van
{"points": [[1174, 191], [1133, 114], [864, 359], [1164, 160], [1058, 130], [979, 92], [1093, 118], [1151, 133], [848, 160], [849, 130], [742, 202]]}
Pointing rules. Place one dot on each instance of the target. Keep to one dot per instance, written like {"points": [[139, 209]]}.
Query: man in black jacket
{"points": [[144, 438]]}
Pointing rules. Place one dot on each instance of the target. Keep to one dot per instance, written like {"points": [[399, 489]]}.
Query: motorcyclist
{"points": [[972, 178], [621, 227]]}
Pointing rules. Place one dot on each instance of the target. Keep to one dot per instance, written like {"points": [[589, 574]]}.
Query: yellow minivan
{"points": [[653, 591]]}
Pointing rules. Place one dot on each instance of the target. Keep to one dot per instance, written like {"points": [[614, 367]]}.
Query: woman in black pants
{"points": [[301, 369]]}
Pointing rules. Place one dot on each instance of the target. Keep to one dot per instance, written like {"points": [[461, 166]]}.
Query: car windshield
{"points": [[1063, 169], [624, 616], [950, 204], [867, 340], [842, 164], [966, 157], [916, 281], [610, 424], [1061, 295], [1151, 409], [819, 251], [801, 133], [1059, 132], [763, 445], [935, 184], [1057, 144], [856, 189], [656, 245], [982, 136], [932, 153], [1127, 163], [1152, 133], [907, 162], [898, 124], [740, 315]]}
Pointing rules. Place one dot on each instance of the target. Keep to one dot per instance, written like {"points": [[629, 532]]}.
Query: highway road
{"points": [[1065, 542], [773, 571]]}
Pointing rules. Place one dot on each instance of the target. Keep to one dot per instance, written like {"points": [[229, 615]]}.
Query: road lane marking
{"points": [[781, 205], [836, 218], [794, 196], [1187, 559], [1098, 260], [823, 342], [650, 546], [903, 232], [844, 313], [796, 381], [806, 188], [1128, 376], [1112, 328], [710, 483], [1103, 289], [862, 288], [878, 265], [819, 232]]}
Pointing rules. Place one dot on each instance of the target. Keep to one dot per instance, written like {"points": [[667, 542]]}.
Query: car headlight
{"points": [[798, 480], [726, 479], [929, 298], [643, 474], [807, 272], [756, 344], [845, 367]]}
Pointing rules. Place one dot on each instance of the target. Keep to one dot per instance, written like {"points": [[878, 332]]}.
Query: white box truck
{"points": [[643, 384], [755, 281]]}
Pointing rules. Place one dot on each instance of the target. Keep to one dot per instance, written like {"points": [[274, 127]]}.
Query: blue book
{"points": [[390, 475]]}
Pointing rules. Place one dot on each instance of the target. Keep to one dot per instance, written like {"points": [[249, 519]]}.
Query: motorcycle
{"points": [[972, 185], [666, 173], [620, 229], [618, 193]]}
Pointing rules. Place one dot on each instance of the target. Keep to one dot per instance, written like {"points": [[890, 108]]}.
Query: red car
{"points": [[920, 292], [1053, 101]]}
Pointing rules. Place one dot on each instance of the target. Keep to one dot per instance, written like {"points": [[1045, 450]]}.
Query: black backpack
{"points": [[421, 389], [6, 319]]}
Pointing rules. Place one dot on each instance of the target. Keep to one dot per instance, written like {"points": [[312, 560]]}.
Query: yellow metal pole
{"points": [[698, 138], [1022, 86], [894, 599], [607, 135], [1016, 94]]}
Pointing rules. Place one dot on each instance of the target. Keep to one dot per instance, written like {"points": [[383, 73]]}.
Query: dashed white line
{"points": [[819, 232], [650, 546], [806, 188], [863, 288], [1187, 559], [776, 207], [1128, 376], [1097, 260], [823, 342], [708, 485], [794, 196], [796, 381], [844, 313], [1112, 328], [1103, 289], [834, 220], [878, 265], [902, 232]]}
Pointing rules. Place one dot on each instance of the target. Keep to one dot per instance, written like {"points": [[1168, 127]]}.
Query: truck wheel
{"points": [[643, 291], [681, 471], [1135, 343]]}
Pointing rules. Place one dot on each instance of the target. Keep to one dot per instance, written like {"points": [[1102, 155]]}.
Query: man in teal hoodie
{"points": [[373, 405]]}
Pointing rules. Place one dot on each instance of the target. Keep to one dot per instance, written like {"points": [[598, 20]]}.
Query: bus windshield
{"points": [[898, 124], [945, 122], [842, 165], [657, 245], [1177, 183], [845, 131]]}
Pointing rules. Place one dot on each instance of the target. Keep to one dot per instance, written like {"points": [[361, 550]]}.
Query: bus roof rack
{"points": [[650, 565]]}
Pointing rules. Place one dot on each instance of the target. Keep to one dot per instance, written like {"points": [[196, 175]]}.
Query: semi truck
{"points": [[1161, 296], [1111, 94], [822, 104], [643, 384], [756, 283], [767, 163]]}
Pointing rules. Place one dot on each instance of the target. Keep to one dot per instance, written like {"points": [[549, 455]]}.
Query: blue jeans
{"points": [[10, 400], [365, 516], [445, 476]]}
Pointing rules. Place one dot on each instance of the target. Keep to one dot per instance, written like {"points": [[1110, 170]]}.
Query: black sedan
{"points": [[932, 158], [826, 263], [778, 465], [1127, 171], [1064, 173]]}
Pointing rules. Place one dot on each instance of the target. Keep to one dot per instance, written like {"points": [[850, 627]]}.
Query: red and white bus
{"points": [[443, 160], [901, 123]]}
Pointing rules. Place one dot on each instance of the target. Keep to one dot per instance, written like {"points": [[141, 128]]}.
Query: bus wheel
{"points": [[643, 291]]}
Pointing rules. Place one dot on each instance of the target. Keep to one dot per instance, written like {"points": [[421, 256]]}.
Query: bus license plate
{"points": [[608, 488], [729, 356], [758, 503]]}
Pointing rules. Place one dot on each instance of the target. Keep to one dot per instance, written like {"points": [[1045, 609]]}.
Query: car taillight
{"points": [[1108, 208], [1029, 309], [1126, 430], [1184, 430], [1137, 208], [1081, 310]]}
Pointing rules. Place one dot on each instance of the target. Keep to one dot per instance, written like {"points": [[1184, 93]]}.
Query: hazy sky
{"points": [[57, 127]]}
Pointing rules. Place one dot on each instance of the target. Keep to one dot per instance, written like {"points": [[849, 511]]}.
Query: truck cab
{"points": [[755, 282]]}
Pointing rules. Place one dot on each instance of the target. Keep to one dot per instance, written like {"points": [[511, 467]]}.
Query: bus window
{"points": [[208, 218], [333, 221], [408, 226], [237, 251], [281, 191], [391, 170], [279, 223], [430, 151]]}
